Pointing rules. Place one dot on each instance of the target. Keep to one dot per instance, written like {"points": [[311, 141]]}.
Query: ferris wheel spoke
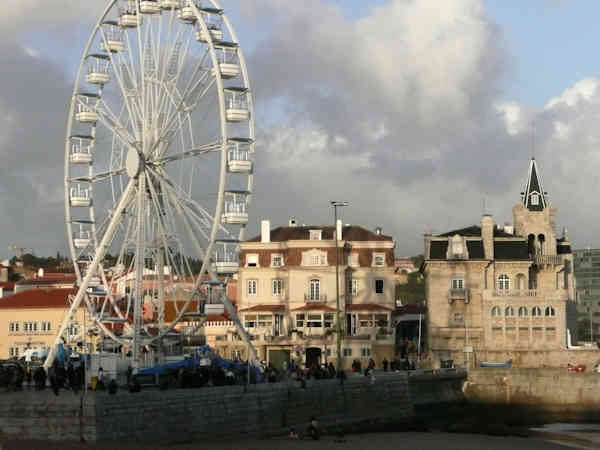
{"points": [[204, 220], [118, 74], [116, 128], [208, 148], [183, 108], [105, 111]]}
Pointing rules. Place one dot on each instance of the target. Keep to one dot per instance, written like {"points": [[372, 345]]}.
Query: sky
{"points": [[415, 112]]}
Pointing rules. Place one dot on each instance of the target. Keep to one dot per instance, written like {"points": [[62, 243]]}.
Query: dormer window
{"points": [[314, 257], [277, 260], [456, 248], [535, 199], [252, 260], [315, 235], [378, 259]]}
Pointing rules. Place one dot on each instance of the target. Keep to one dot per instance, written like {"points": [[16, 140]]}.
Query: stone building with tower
{"points": [[496, 293], [287, 295]]}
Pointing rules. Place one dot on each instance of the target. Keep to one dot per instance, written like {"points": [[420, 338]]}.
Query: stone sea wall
{"points": [[209, 413], [551, 391]]}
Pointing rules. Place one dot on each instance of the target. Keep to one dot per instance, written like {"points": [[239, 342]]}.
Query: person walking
{"points": [[385, 364]]}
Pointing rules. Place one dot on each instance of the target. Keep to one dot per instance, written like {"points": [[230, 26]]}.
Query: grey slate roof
{"points": [[534, 186], [474, 231], [511, 250]]}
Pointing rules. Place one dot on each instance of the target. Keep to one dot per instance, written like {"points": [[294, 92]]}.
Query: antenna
{"points": [[533, 139], [484, 208]]}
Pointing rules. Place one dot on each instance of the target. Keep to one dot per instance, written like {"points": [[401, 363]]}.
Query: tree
{"points": [[412, 292], [417, 260]]}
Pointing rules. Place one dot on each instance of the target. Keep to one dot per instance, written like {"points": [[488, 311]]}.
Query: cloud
{"points": [[400, 113], [410, 90]]}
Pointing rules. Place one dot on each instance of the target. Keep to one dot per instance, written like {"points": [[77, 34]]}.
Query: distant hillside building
{"points": [[43, 280], [497, 293], [403, 267]]}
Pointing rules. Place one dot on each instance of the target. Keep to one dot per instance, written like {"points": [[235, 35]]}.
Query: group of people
{"points": [[71, 377], [16, 376]]}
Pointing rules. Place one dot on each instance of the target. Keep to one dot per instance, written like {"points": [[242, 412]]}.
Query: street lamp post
{"points": [[335, 205]]}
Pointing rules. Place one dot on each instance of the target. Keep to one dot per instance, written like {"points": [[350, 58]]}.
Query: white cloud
{"points": [[583, 90]]}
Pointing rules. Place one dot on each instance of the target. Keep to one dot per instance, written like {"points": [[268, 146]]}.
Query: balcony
{"points": [[315, 298], [458, 294], [514, 293], [548, 260]]}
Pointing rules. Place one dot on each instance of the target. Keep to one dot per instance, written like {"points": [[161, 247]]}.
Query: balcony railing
{"points": [[458, 293], [548, 260], [515, 293], [315, 298]]}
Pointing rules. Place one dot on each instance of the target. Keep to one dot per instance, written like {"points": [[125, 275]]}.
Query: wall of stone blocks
{"points": [[44, 416], [210, 413], [547, 390]]}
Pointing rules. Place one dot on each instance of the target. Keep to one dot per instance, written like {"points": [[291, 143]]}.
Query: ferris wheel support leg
{"points": [[139, 273], [104, 244]]}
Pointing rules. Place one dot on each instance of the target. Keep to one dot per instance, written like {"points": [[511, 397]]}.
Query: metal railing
{"points": [[315, 298], [548, 260], [515, 293], [458, 293]]}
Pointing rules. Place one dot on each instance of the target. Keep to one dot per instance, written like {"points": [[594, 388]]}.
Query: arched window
{"points": [[521, 282], [496, 311], [509, 311], [542, 241], [536, 311], [503, 282], [531, 243], [523, 312], [550, 311]]}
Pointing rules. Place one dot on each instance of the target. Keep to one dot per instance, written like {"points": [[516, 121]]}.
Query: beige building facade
{"points": [[287, 296], [30, 320], [501, 291]]}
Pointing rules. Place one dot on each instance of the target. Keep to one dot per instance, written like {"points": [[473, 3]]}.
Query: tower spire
{"points": [[534, 197]]}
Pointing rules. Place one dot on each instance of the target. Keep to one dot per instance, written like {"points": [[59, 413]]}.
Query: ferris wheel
{"points": [[159, 160]]}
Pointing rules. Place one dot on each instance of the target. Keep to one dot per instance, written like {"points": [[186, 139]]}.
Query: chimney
{"points": [[427, 239], [265, 231], [487, 236], [40, 273], [378, 231], [292, 222], [508, 228], [338, 229]]}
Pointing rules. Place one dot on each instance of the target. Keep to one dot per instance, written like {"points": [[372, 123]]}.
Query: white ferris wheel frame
{"points": [[138, 182]]}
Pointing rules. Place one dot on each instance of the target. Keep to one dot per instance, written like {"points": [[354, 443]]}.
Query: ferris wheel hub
{"points": [[134, 163]]}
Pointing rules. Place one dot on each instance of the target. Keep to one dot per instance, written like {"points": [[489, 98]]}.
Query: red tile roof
{"points": [[264, 308], [367, 307], [47, 281], [218, 318], [314, 307], [38, 298]]}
